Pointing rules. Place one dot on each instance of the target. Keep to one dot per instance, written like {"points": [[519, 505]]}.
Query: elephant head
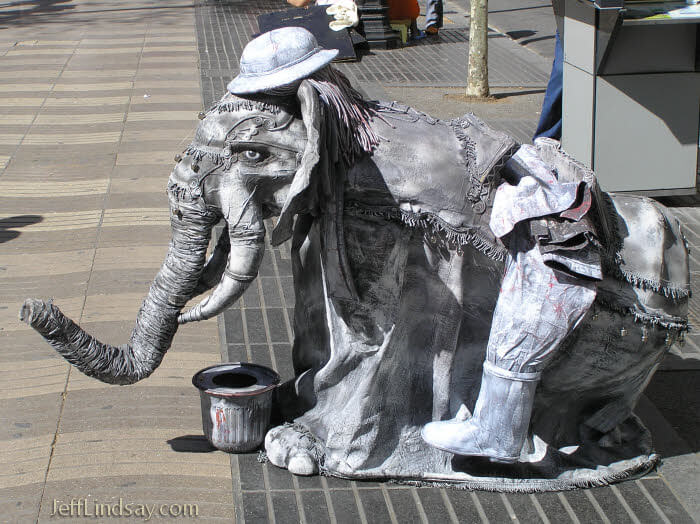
{"points": [[250, 159]]}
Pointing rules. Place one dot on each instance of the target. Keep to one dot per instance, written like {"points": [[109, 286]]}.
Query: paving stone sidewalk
{"points": [[95, 100], [96, 97]]}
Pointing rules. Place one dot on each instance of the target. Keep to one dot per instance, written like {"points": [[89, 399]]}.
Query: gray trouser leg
{"points": [[536, 309]]}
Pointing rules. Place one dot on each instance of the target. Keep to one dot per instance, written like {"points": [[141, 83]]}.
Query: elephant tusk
{"points": [[226, 293], [192, 315]]}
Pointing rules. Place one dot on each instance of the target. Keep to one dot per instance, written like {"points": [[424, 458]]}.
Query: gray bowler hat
{"points": [[278, 58]]}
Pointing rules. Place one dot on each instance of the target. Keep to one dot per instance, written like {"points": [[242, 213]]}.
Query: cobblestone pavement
{"points": [[96, 97]]}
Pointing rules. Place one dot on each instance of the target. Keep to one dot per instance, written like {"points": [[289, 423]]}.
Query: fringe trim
{"points": [[645, 465], [612, 268], [218, 159], [349, 114], [672, 323], [612, 258], [435, 225], [226, 105]]}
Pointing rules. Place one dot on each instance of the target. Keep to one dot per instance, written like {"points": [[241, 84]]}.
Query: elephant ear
{"points": [[297, 199]]}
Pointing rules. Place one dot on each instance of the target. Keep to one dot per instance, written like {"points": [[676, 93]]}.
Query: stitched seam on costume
{"points": [[414, 115], [479, 192]]}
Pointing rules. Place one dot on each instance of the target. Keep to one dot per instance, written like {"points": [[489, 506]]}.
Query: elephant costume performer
{"points": [[448, 281]]}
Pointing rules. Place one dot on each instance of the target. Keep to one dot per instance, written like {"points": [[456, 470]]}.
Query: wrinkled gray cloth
{"points": [[409, 349], [537, 305]]}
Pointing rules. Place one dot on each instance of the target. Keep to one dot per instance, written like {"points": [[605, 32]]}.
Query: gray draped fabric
{"points": [[409, 347]]}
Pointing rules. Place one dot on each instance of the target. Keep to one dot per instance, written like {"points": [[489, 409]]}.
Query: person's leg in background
{"points": [[550, 120], [433, 16]]}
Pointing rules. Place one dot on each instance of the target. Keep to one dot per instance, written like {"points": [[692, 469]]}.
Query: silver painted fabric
{"points": [[536, 308], [537, 305], [536, 192], [373, 369]]}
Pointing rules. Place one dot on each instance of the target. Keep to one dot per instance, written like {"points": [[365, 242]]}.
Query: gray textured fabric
{"points": [[156, 323], [409, 349], [205, 186], [537, 308], [448, 194], [536, 192]]}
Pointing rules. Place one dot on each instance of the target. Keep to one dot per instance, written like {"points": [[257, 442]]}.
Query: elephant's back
{"points": [[418, 159], [646, 271], [641, 309], [651, 245]]}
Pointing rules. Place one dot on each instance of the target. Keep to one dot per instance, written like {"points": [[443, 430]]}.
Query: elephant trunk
{"points": [[156, 323], [214, 267]]}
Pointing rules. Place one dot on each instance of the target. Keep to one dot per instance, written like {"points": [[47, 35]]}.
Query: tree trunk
{"points": [[478, 76]]}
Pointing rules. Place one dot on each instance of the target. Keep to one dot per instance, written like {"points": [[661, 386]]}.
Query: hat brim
{"points": [[247, 84]]}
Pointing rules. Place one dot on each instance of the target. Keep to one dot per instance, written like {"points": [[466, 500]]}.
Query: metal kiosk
{"points": [[631, 105]]}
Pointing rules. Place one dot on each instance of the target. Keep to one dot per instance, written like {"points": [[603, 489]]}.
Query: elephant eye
{"points": [[252, 156]]}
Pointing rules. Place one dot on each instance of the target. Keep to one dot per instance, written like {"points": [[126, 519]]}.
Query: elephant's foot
{"points": [[292, 448]]}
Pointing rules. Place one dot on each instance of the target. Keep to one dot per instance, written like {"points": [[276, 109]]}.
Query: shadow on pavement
{"points": [[675, 395], [538, 39], [27, 11], [9, 224], [191, 444], [517, 35], [513, 93]]}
